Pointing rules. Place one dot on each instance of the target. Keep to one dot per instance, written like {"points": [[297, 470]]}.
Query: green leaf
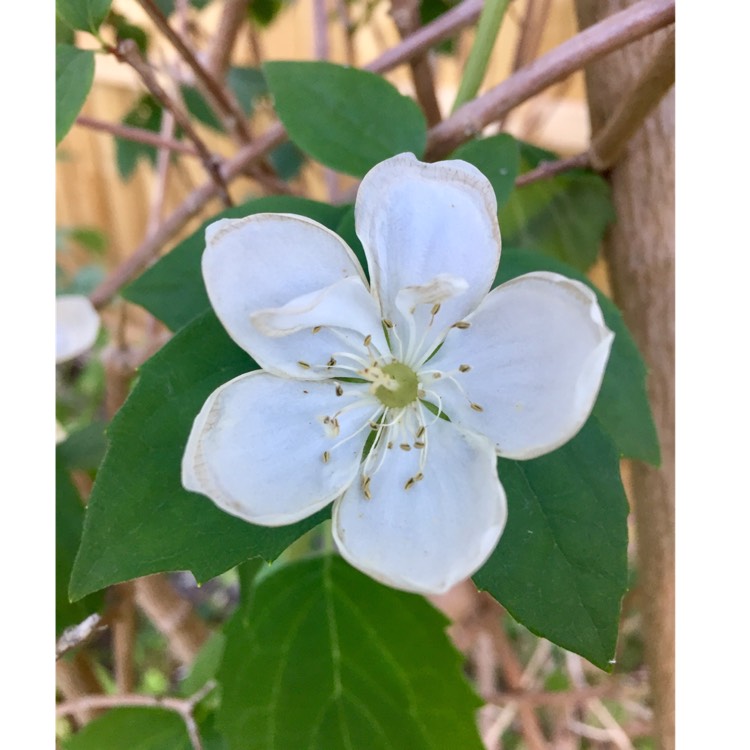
{"points": [[84, 448], [132, 729], [324, 658], [172, 289], [347, 119], [561, 565], [139, 519], [205, 665], [498, 158], [68, 522], [248, 85], [263, 12], [622, 407], [74, 74], [287, 160], [564, 216], [85, 15], [146, 114], [198, 107]]}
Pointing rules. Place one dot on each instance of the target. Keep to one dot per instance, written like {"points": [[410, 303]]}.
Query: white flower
{"points": [[76, 326], [358, 379]]}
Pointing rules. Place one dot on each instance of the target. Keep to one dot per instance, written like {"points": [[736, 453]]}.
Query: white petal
{"points": [[77, 325], [537, 348], [266, 261], [436, 533], [418, 221], [259, 447]]}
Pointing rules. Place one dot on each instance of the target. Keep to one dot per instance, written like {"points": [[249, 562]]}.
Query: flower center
{"points": [[395, 385]]}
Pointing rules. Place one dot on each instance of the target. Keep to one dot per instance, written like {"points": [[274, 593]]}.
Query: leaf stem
{"points": [[476, 66]]}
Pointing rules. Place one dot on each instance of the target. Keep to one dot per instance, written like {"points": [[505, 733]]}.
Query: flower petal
{"points": [[419, 221], [537, 349], [77, 325], [437, 532], [261, 449], [264, 262]]}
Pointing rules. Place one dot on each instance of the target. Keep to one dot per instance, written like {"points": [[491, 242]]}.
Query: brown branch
{"points": [[549, 169], [127, 51], [75, 678], [405, 14], [173, 616], [559, 698], [531, 32], [219, 53], [609, 142], [320, 30], [123, 626], [185, 707], [350, 51], [77, 635], [231, 114], [647, 91], [589, 45], [442, 28], [138, 135]]}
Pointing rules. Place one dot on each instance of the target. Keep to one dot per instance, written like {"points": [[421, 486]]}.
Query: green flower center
{"points": [[398, 387]]}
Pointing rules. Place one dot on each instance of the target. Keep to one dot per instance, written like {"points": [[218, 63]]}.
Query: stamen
{"points": [[366, 487], [331, 362], [326, 457], [409, 483], [368, 340], [464, 368], [303, 365], [317, 329], [435, 309], [405, 447], [339, 389], [419, 444], [387, 323], [462, 324], [476, 407]]}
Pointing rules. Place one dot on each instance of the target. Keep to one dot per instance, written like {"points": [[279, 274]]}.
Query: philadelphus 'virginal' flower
{"points": [[392, 400], [76, 326]]}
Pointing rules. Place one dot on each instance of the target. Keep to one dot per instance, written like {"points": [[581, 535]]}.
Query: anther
{"points": [[418, 444], [331, 362], [387, 323], [435, 309], [462, 324], [316, 329], [464, 368], [420, 431], [366, 487], [368, 340], [326, 457], [418, 477], [390, 444], [405, 447], [339, 390], [477, 407], [304, 365], [409, 483], [373, 425], [437, 375]]}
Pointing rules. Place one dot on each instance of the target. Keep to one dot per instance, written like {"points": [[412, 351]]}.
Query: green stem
{"points": [[476, 66]]}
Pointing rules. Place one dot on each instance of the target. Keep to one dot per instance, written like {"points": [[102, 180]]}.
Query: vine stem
{"points": [[476, 66]]}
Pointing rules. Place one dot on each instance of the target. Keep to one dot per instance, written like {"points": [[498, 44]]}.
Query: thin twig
{"points": [[219, 55], [405, 14], [77, 635], [547, 169], [531, 32], [138, 135], [350, 51], [231, 114], [185, 707], [127, 51], [320, 29], [592, 43]]}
